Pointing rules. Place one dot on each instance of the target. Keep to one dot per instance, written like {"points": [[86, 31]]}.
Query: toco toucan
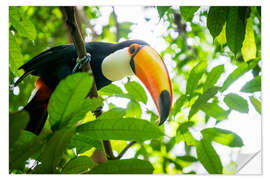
{"points": [[109, 62]]}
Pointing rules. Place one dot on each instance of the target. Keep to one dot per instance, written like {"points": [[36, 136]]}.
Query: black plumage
{"points": [[55, 64]]}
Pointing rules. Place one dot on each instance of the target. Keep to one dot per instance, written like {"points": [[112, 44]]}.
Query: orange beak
{"points": [[151, 70]]}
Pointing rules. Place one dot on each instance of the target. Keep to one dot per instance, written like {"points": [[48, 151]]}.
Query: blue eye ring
{"points": [[132, 49]]}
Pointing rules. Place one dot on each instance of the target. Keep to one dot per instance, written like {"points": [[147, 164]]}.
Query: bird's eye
{"points": [[132, 49]]}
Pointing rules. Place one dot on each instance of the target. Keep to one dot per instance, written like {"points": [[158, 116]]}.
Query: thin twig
{"points": [[116, 25], [86, 21], [121, 154]]}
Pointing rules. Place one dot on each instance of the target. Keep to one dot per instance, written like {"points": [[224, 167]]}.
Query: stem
{"points": [[125, 150], [116, 25], [108, 149]]}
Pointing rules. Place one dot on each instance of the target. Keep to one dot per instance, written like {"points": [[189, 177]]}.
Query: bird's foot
{"points": [[81, 62]]}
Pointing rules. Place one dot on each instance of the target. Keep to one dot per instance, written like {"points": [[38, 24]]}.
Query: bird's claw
{"points": [[81, 62]]}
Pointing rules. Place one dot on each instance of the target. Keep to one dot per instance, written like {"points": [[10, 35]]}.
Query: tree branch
{"points": [[69, 15], [108, 149]]}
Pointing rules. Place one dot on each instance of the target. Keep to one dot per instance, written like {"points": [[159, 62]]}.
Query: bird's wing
{"points": [[52, 56]]}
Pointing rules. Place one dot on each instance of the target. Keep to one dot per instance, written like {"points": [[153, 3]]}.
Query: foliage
{"points": [[197, 39], [125, 166]]}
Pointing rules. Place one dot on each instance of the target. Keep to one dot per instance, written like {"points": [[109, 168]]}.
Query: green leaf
{"points": [[125, 166], [111, 90], [113, 113], [92, 103], [194, 77], [78, 165], [133, 109], [87, 105], [249, 45], [170, 144], [111, 20], [17, 122], [162, 10], [53, 151], [124, 29], [221, 38], [141, 151], [178, 105], [84, 143], [183, 134], [25, 137], [15, 55], [187, 158], [21, 23], [207, 155], [256, 103], [236, 27], [236, 102], [253, 85], [215, 111], [237, 73], [156, 145], [213, 76], [187, 12], [222, 136], [136, 91], [118, 145], [68, 98], [120, 129], [202, 100], [23, 149], [107, 34], [216, 19]]}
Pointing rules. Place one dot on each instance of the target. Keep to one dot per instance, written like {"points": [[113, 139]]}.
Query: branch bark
{"points": [[108, 149], [69, 15]]}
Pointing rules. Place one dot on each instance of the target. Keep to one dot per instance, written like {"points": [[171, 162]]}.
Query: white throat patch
{"points": [[116, 66]]}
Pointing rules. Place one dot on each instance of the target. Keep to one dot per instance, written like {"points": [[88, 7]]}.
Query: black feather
{"points": [[56, 63]]}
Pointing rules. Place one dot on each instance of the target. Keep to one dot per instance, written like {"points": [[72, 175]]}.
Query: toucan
{"points": [[109, 62]]}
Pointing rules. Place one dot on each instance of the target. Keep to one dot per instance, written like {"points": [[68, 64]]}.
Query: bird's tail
{"points": [[37, 107]]}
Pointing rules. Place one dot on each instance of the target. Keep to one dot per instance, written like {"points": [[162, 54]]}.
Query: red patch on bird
{"points": [[43, 91]]}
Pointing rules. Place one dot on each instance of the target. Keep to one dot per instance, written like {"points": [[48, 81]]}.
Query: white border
{"points": [[134, 2], [4, 76]]}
